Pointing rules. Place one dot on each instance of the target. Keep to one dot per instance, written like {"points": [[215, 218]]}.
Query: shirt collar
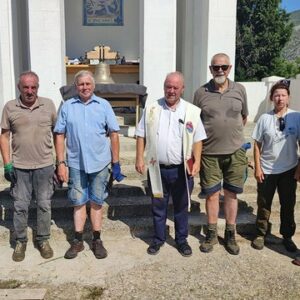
{"points": [[39, 102], [165, 106], [94, 98], [210, 86]]}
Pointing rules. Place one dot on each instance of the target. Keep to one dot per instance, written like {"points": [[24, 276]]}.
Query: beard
{"points": [[220, 79]]}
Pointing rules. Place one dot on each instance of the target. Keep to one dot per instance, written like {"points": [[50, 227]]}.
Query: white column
{"points": [[47, 45], [157, 44], [7, 81], [209, 28]]}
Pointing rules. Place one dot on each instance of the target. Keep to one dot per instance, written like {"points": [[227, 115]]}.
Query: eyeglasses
{"points": [[217, 67], [281, 124], [285, 82]]}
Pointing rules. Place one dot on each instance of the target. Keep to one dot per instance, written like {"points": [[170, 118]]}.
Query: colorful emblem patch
{"points": [[189, 127]]}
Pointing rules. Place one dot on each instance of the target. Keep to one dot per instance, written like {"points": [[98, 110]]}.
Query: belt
{"points": [[162, 166]]}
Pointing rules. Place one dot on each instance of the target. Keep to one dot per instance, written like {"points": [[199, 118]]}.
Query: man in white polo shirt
{"points": [[172, 132]]}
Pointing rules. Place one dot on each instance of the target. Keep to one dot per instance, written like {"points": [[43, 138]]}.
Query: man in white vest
{"points": [[172, 132]]}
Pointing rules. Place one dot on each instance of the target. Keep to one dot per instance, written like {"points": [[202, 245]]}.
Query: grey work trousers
{"points": [[37, 183]]}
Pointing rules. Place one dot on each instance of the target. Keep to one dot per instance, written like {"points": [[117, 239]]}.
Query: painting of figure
{"points": [[103, 12]]}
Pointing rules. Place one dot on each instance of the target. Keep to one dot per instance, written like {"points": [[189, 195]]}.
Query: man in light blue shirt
{"points": [[85, 121]]}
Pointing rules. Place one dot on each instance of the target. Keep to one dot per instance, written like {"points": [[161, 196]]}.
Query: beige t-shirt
{"points": [[31, 128]]}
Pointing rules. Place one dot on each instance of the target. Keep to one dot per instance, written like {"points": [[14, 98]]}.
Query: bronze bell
{"points": [[102, 73]]}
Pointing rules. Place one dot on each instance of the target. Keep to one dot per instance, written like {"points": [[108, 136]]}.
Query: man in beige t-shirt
{"points": [[27, 152]]}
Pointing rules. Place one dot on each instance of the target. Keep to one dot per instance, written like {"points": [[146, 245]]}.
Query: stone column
{"points": [[157, 44], [7, 80], [208, 28], [47, 45]]}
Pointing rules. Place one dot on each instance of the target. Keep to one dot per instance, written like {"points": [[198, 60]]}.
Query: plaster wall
{"points": [[47, 45], [80, 39], [157, 44], [7, 80]]}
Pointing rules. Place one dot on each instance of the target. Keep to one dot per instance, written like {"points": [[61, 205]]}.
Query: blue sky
{"points": [[290, 5]]}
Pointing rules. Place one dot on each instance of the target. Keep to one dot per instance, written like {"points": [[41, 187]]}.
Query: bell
{"points": [[102, 73]]}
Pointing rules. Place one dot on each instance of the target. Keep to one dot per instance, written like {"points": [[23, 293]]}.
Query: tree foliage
{"points": [[263, 29]]}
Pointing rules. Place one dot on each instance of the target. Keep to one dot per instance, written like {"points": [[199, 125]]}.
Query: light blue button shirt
{"points": [[84, 124]]}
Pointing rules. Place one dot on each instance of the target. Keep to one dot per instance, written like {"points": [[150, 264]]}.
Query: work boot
{"points": [[230, 243], [258, 243], [19, 252], [98, 249], [211, 239], [76, 247], [45, 249]]}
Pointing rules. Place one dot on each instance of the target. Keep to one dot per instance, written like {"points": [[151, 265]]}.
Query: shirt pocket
{"points": [[236, 106]]}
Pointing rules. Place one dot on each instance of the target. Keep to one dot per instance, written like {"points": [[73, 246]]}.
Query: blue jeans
{"points": [[85, 187], [174, 184], [38, 182]]}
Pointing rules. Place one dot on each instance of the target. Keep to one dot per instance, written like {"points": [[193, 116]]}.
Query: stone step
{"points": [[128, 200]]}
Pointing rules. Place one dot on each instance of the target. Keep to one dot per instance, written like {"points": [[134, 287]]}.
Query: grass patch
{"points": [[9, 284], [94, 293]]}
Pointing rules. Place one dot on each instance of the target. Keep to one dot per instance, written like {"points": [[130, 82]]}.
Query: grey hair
{"points": [[83, 73], [28, 73], [220, 55], [176, 73]]}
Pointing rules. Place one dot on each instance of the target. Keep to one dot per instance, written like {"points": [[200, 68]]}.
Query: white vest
{"points": [[152, 117]]}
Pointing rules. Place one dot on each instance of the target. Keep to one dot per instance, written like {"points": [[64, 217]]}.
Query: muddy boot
{"points": [[258, 243], [19, 252], [211, 238], [229, 240]]}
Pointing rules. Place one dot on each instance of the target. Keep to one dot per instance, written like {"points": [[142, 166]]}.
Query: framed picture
{"points": [[103, 12]]}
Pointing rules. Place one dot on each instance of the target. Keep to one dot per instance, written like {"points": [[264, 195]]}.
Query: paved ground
{"points": [[129, 273]]}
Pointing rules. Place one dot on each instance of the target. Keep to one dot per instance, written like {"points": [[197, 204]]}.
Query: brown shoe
{"points": [[19, 252], [76, 247], [45, 249], [98, 249]]}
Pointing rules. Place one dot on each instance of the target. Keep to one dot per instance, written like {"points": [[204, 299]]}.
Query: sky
{"points": [[290, 5]]}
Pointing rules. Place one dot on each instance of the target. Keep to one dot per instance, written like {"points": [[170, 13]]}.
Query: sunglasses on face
{"points": [[281, 124], [217, 67], [285, 82]]}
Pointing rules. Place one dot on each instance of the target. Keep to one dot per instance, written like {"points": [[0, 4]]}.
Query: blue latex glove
{"points": [[246, 146], [116, 172]]}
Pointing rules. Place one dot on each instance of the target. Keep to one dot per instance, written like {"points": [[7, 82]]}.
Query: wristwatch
{"points": [[59, 162]]}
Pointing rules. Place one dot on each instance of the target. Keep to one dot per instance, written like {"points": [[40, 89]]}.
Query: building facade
{"points": [[164, 35]]}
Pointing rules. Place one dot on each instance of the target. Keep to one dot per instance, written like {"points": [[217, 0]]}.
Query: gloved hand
{"points": [[9, 173], [116, 172], [246, 146]]}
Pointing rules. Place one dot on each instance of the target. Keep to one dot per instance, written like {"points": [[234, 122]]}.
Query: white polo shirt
{"points": [[170, 133]]}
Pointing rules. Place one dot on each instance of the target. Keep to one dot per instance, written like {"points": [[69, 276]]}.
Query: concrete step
{"points": [[129, 200]]}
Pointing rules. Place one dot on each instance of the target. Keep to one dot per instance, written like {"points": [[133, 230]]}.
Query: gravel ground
{"points": [[129, 273]]}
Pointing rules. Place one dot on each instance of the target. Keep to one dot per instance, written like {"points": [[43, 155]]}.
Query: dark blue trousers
{"points": [[174, 184]]}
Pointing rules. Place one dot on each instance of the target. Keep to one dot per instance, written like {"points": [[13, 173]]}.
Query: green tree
{"points": [[263, 29], [287, 68]]}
